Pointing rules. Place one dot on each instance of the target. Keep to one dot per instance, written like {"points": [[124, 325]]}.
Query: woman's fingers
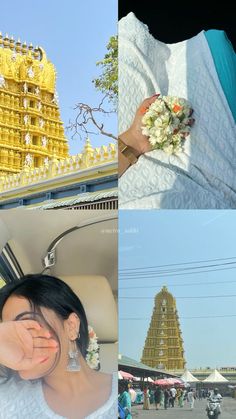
{"points": [[42, 333], [146, 103], [39, 356], [44, 352], [31, 324], [40, 342], [151, 99], [35, 328]]}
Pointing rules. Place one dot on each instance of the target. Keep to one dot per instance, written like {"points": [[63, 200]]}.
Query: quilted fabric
{"points": [[24, 400], [203, 176]]}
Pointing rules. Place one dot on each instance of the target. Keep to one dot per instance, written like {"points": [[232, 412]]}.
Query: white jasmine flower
{"points": [[167, 123], [92, 357]]}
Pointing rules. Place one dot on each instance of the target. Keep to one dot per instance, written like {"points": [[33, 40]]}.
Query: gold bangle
{"points": [[126, 151]]}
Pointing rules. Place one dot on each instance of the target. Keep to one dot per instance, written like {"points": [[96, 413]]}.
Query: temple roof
{"points": [[164, 292], [26, 63]]}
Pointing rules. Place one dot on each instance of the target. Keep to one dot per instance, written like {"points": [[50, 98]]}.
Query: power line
{"points": [[178, 285], [182, 298], [181, 318], [176, 264], [175, 274], [215, 265]]}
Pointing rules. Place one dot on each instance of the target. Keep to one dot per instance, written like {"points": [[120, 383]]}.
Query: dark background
{"points": [[174, 21]]}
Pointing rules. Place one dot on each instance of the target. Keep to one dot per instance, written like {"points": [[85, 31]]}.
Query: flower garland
{"points": [[92, 357], [167, 123]]}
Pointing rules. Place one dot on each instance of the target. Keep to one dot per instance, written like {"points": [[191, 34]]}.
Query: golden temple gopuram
{"points": [[31, 131], [164, 345]]}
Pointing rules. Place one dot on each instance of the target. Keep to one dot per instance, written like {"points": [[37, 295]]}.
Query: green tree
{"points": [[107, 82]]}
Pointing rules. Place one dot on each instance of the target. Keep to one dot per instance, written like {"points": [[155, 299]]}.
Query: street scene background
{"points": [[193, 254]]}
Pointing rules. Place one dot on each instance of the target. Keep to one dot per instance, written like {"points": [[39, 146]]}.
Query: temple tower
{"points": [[31, 131], [164, 345]]}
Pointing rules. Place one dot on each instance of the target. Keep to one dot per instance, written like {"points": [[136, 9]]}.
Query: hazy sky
{"points": [[74, 34], [150, 238]]}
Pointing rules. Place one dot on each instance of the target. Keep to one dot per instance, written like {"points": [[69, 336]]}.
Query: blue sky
{"points": [[74, 34], [150, 238]]}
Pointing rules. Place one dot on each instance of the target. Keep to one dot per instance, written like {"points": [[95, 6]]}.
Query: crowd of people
{"points": [[168, 397], [160, 397]]}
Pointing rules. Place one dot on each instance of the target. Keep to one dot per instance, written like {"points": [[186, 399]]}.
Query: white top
{"points": [[190, 396], [173, 391], [203, 176], [25, 400], [216, 398]]}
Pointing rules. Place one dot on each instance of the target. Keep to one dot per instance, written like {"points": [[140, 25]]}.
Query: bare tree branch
{"points": [[87, 116]]}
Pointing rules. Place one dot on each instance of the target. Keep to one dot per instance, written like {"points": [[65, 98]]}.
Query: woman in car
{"points": [[44, 341]]}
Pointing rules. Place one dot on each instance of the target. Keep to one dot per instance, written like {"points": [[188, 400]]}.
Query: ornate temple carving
{"points": [[163, 347], [31, 131]]}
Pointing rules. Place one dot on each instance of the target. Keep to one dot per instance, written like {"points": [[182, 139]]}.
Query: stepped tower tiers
{"points": [[163, 347], [31, 132]]}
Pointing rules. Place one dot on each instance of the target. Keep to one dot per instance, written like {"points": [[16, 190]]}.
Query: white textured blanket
{"points": [[204, 176]]}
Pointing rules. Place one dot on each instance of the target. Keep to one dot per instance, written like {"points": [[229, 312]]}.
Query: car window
{"points": [[9, 266]]}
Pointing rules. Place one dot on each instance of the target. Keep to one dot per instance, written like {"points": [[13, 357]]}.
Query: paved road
{"points": [[228, 411]]}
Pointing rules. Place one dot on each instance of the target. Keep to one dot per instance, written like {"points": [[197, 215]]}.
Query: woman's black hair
{"points": [[123, 386], [52, 293]]}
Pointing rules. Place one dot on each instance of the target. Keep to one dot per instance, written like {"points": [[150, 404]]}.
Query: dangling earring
{"points": [[73, 357]]}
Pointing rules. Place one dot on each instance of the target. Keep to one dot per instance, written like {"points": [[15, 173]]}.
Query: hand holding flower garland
{"points": [[176, 123], [167, 123]]}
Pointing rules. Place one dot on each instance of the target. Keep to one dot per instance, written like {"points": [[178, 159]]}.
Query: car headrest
{"points": [[97, 298]]}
